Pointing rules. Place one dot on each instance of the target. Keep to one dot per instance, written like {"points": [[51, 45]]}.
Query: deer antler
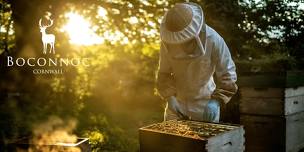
{"points": [[40, 22], [50, 23]]}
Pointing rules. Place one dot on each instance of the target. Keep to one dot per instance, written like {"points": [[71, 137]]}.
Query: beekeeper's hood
{"points": [[183, 22]]}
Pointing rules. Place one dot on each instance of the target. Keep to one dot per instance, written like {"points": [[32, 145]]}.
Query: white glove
{"points": [[212, 110]]}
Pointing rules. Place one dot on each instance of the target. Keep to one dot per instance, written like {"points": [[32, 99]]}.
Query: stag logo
{"points": [[47, 38]]}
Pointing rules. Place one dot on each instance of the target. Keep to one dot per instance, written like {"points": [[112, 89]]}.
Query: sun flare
{"points": [[80, 30]]}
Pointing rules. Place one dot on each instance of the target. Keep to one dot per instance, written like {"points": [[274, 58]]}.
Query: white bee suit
{"points": [[191, 79]]}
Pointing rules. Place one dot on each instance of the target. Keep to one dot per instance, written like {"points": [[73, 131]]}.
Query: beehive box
{"points": [[286, 79], [24, 144], [271, 101], [274, 133], [272, 110], [186, 136]]}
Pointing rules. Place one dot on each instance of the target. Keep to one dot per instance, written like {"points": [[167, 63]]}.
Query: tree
{"points": [[121, 81]]}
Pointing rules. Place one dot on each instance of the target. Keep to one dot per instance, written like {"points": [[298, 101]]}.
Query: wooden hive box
{"points": [[286, 79], [191, 136], [271, 101], [274, 133], [272, 111]]}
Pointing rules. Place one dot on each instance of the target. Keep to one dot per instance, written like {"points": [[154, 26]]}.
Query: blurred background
{"points": [[116, 95]]}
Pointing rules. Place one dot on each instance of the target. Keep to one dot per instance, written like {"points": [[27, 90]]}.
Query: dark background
{"points": [[114, 97]]}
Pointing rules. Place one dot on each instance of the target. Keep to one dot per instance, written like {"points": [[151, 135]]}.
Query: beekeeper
{"points": [[193, 57]]}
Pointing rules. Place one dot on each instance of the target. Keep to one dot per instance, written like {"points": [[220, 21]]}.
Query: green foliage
{"points": [[276, 62], [103, 135], [115, 95], [274, 26], [6, 28]]}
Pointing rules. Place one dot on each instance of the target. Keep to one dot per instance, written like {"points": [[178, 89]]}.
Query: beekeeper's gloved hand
{"points": [[174, 106], [212, 111]]}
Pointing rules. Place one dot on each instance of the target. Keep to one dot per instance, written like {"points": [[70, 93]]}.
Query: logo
{"points": [[51, 64], [47, 38]]}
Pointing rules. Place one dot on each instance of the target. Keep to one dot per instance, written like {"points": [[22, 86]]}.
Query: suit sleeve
{"points": [[165, 83], [225, 73]]}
